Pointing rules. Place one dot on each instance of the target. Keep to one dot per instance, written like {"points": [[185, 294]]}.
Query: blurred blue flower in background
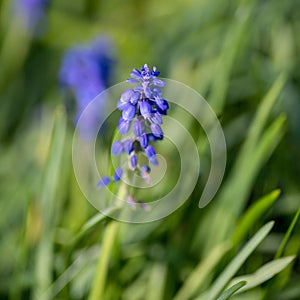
{"points": [[32, 14], [86, 71]]}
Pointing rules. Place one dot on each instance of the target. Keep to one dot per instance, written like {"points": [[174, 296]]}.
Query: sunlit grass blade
{"points": [[99, 282], [157, 282], [287, 235], [264, 273], [201, 272], [44, 256], [137, 289], [257, 148], [88, 256], [261, 116], [238, 186], [237, 262], [93, 221], [252, 215], [236, 36], [232, 290]]}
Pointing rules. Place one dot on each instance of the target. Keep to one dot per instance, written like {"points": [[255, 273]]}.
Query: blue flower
{"points": [[31, 13], [86, 71], [142, 106]]}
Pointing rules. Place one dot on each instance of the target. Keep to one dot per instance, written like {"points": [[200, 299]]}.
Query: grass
{"points": [[241, 56]]}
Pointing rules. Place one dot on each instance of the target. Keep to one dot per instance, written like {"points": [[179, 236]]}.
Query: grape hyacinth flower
{"points": [[143, 108], [31, 13], [86, 72]]}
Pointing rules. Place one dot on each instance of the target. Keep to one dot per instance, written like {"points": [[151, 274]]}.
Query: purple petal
{"points": [[117, 148], [131, 80], [133, 162], [145, 169], [145, 109], [158, 82], [126, 95], [156, 118], [103, 182], [137, 128], [118, 174], [143, 140], [156, 130], [129, 112], [147, 92], [138, 88], [122, 105], [128, 146], [155, 72], [136, 74], [123, 126], [135, 98], [131, 202], [150, 151], [153, 160], [162, 106]]}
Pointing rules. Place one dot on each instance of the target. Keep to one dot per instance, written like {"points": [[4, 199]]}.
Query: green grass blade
{"points": [[287, 235], [238, 261], [104, 256], [228, 293], [157, 281], [252, 215], [263, 113], [240, 184], [236, 36], [44, 256], [93, 221], [196, 279], [264, 273], [238, 187], [257, 148]]}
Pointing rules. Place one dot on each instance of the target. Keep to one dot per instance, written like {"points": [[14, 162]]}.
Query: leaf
{"points": [[93, 221], [157, 281], [264, 273], [263, 112], [287, 235], [196, 279], [228, 293], [252, 215], [235, 37], [238, 261], [51, 179], [257, 148]]}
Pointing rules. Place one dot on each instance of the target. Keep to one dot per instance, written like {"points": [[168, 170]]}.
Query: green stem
{"points": [[102, 266], [109, 238]]}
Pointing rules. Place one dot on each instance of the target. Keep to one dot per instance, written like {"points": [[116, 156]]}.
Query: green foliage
{"points": [[228, 293], [242, 57]]}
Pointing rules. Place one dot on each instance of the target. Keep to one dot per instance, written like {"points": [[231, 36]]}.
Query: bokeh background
{"points": [[242, 56]]}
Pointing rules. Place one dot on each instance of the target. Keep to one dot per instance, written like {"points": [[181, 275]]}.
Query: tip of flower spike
{"points": [[103, 182], [130, 201], [144, 172], [144, 205], [133, 203]]}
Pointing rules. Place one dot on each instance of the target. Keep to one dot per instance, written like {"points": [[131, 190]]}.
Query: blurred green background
{"points": [[243, 57]]}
